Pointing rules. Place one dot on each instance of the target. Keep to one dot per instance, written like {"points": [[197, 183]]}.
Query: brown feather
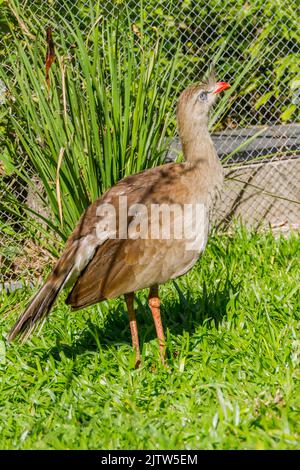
{"points": [[41, 304]]}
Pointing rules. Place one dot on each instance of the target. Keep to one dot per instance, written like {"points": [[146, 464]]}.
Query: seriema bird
{"points": [[100, 262]]}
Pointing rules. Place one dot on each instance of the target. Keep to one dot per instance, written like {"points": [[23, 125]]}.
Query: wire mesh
{"points": [[266, 102]]}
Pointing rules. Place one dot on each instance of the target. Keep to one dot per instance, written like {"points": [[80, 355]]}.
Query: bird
{"points": [[144, 230]]}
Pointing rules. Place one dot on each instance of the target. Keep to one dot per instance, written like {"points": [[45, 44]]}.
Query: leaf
{"points": [[7, 162], [136, 30], [58, 192], [287, 114], [50, 55]]}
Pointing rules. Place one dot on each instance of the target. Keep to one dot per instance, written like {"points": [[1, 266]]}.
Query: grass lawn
{"points": [[233, 353]]}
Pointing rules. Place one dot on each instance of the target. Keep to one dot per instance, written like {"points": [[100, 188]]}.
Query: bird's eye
{"points": [[202, 96]]}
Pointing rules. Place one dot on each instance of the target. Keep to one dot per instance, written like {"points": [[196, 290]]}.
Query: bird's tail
{"points": [[40, 305]]}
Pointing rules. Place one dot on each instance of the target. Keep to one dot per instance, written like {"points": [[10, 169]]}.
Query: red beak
{"points": [[220, 86]]}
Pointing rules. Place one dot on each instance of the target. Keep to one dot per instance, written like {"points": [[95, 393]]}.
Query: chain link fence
{"points": [[254, 44]]}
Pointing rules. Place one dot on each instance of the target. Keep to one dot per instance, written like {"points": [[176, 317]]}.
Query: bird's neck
{"points": [[198, 146]]}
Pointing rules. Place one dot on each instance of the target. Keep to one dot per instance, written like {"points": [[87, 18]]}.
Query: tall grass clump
{"points": [[104, 115]]}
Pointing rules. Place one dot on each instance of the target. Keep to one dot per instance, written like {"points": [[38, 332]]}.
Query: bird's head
{"points": [[196, 101]]}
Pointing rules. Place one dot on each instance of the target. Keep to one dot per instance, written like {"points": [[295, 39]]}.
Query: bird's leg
{"points": [[154, 304], [129, 298]]}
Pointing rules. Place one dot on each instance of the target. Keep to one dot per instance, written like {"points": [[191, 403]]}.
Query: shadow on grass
{"points": [[178, 316]]}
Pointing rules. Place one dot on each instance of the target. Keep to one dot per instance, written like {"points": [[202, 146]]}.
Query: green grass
{"points": [[233, 353]]}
